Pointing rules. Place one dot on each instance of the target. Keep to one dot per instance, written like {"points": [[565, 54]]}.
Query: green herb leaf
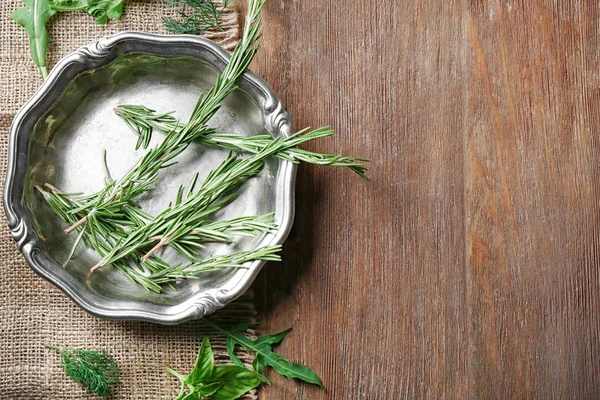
{"points": [[209, 389], [95, 370], [101, 10], [230, 345], [33, 17], [235, 381], [68, 5], [266, 357], [105, 10], [204, 364], [274, 338], [225, 382]]}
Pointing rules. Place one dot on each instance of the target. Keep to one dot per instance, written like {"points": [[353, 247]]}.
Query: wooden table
{"points": [[469, 266]]}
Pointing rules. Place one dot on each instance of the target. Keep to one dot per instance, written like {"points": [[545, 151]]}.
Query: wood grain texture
{"points": [[468, 267]]}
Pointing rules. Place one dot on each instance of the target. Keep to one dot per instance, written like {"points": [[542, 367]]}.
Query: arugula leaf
{"points": [[230, 345], [104, 10], [274, 338], [101, 10], [265, 355], [33, 17]]}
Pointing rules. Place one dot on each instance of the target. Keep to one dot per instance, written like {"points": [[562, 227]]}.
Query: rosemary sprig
{"points": [[155, 272], [113, 224], [197, 16], [182, 217], [109, 202], [235, 260], [95, 370], [142, 121]]}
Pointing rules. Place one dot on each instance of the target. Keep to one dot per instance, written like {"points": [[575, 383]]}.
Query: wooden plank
{"points": [[468, 267], [531, 187], [373, 279]]}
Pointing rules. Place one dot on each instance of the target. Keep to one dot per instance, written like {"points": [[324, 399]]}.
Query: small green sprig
{"points": [[143, 120], [96, 371], [154, 273], [196, 16], [236, 260]]}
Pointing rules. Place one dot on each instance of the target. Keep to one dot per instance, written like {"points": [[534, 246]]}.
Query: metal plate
{"points": [[59, 135]]}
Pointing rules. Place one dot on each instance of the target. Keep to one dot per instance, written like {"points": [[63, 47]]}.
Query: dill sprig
{"points": [[95, 370], [196, 16], [143, 120]]}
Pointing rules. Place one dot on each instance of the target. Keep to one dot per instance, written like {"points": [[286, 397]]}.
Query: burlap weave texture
{"points": [[34, 312]]}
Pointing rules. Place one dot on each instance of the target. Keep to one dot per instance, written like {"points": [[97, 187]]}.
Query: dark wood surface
{"points": [[469, 266]]}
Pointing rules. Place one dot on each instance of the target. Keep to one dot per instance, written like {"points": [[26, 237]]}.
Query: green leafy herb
{"points": [[264, 355], [223, 382], [33, 17], [101, 10], [105, 10], [181, 218], [107, 216], [141, 178], [197, 16], [95, 370], [142, 121]]}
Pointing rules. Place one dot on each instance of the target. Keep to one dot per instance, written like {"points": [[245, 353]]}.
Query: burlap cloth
{"points": [[34, 312]]}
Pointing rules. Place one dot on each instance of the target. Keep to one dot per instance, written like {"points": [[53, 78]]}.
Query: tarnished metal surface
{"points": [[59, 135]]}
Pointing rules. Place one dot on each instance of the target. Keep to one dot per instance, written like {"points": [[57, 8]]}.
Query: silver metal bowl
{"points": [[59, 135]]}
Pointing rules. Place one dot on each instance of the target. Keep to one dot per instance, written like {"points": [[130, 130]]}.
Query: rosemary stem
{"points": [[97, 266], [158, 246], [76, 225]]}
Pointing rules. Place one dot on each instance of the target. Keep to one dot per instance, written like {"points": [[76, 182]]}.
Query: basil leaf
{"points": [[192, 396], [235, 381], [204, 364], [208, 389], [33, 17]]}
